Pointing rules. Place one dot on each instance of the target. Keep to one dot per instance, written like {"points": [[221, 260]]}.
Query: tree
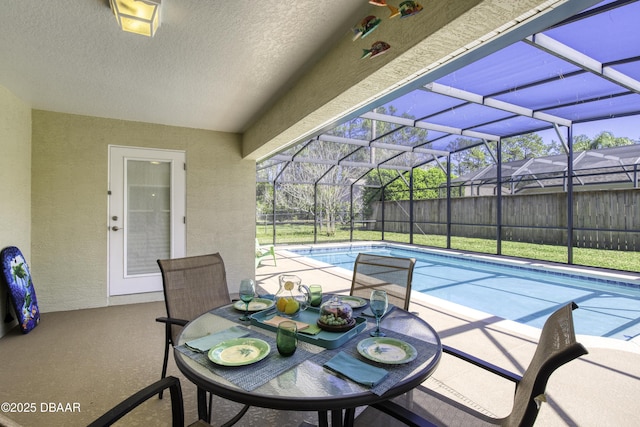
{"points": [[328, 179], [604, 139], [264, 198], [477, 156], [465, 160], [322, 189], [521, 147], [473, 159], [426, 183]]}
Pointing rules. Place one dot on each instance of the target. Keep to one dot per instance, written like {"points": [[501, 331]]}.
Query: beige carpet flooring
{"points": [[91, 360]]}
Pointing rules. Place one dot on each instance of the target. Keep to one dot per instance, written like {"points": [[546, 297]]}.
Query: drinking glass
{"points": [[247, 292], [287, 338], [378, 303], [316, 295]]}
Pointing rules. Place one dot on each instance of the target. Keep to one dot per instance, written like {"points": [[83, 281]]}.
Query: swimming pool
{"points": [[524, 292]]}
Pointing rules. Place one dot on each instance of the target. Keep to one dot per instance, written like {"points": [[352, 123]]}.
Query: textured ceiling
{"points": [[212, 65]]}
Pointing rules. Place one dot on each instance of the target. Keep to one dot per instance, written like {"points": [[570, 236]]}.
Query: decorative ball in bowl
{"points": [[336, 316]]}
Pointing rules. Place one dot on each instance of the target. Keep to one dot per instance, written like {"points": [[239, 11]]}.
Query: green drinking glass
{"points": [[287, 338], [316, 295]]}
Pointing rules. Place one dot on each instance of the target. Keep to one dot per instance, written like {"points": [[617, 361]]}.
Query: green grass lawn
{"points": [[616, 260]]}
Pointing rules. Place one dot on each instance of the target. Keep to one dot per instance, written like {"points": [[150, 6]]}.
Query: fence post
{"points": [[499, 199], [315, 213], [274, 213], [383, 208], [411, 219], [449, 201], [570, 196], [351, 213]]}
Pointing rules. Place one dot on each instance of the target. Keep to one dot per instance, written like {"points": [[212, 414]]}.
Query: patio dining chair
{"points": [[192, 286], [135, 400], [387, 273], [557, 346]]}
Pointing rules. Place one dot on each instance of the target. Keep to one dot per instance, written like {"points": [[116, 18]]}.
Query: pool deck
{"points": [[598, 389]]}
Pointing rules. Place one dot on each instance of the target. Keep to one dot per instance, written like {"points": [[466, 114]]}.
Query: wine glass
{"points": [[378, 303], [247, 292]]}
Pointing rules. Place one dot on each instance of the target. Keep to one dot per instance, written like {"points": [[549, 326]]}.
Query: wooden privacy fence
{"points": [[601, 219]]}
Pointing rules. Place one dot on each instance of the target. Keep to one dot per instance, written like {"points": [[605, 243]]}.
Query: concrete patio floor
{"points": [[598, 389]]}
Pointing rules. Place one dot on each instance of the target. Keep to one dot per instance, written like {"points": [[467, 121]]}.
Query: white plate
{"points": [[239, 352], [354, 302], [256, 304], [387, 350]]}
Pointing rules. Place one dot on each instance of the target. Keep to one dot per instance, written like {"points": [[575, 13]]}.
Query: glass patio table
{"points": [[302, 382]]}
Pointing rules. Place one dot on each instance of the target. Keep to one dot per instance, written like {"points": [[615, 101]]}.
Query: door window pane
{"points": [[148, 229]]}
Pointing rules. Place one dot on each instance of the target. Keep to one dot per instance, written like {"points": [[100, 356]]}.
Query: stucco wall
{"points": [[15, 182], [69, 199]]}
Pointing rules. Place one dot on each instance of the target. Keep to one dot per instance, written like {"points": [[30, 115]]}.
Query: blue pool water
{"points": [[522, 293]]}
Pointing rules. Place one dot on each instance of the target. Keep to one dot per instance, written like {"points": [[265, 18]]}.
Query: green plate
{"points": [[354, 302], [256, 304], [387, 350], [239, 352]]}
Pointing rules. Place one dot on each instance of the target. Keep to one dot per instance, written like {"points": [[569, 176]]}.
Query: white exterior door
{"points": [[146, 216]]}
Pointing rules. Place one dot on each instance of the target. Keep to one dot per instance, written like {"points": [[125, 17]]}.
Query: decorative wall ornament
{"points": [[383, 3], [378, 48], [366, 26], [405, 9], [409, 8]]}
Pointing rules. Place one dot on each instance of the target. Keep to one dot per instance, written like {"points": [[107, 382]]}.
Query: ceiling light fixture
{"points": [[137, 16]]}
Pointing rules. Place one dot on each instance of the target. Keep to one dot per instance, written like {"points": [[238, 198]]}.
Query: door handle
{"points": [[116, 228]]}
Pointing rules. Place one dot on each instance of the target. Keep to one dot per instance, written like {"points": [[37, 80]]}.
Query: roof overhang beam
{"points": [[342, 140], [364, 165], [561, 50], [299, 159], [292, 159], [495, 103], [434, 153], [409, 149], [428, 126]]}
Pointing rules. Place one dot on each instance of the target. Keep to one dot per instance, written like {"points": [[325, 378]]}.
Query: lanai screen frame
{"points": [[587, 76]]}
